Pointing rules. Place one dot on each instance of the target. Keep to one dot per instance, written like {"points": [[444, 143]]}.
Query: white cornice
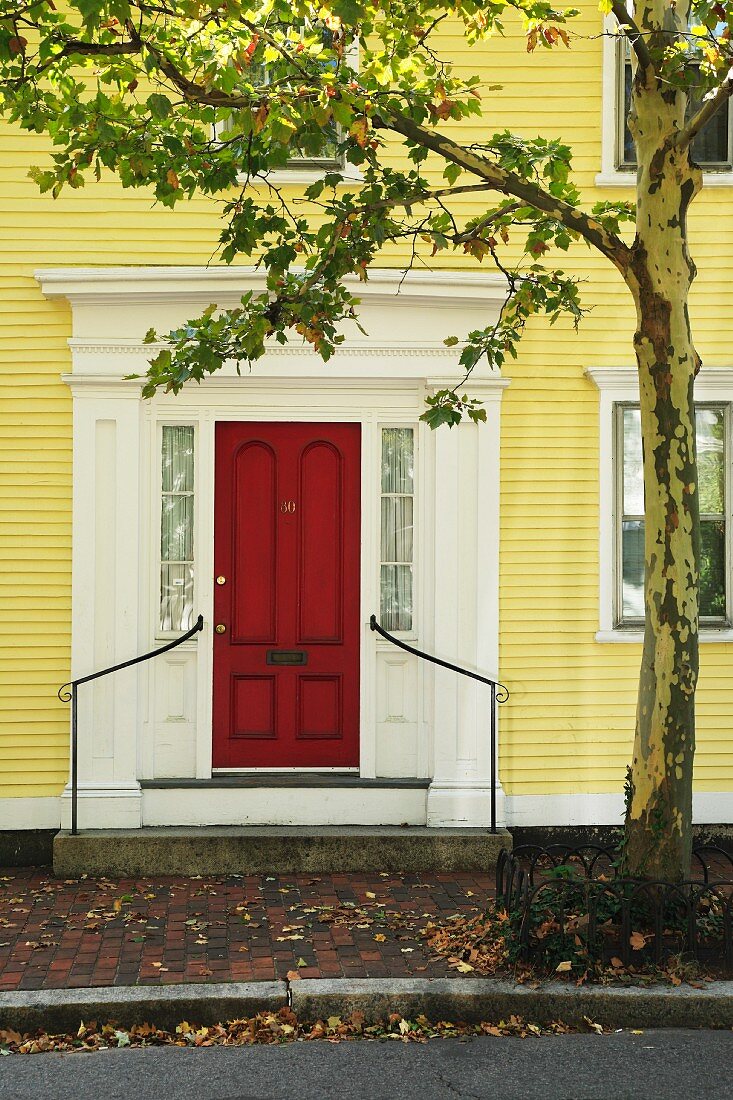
{"points": [[134, 284]]}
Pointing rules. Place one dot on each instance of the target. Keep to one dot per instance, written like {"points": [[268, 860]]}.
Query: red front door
{"points": [[286, 553]]}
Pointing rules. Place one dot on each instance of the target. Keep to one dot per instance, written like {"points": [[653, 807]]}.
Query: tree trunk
{"points": [[658, 836]]}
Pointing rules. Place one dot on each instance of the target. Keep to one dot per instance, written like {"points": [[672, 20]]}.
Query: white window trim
{"points": [[610, 175], [618, 384]]}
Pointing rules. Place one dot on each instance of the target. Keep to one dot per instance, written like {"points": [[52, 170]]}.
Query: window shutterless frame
{"points": [[623, 164], [620, 621]]}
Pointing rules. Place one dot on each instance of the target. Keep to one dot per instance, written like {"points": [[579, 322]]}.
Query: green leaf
{"points": [[451, 172], [159, 106]]}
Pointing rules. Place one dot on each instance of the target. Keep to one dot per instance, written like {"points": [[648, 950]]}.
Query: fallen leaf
{"points": [[293, 976], [563, 967], [637, 941]]}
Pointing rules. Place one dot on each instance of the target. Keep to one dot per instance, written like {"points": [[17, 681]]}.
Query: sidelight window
{"points": [[176, 528], [397, 535]]}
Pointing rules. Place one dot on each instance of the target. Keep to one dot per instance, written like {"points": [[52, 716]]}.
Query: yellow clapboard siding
{"points": [[569, 724]]}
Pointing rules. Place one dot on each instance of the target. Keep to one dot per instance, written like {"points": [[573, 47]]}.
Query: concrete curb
{"points": [[62, 1010], [475, 999], [457, 999]]}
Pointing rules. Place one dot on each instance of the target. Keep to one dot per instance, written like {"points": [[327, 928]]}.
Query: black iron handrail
{"points": [[499, 694], [68, 693]]}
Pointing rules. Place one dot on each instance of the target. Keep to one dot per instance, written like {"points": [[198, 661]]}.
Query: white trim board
{"points": [[537, 810], [710, 808], [30, 813]]}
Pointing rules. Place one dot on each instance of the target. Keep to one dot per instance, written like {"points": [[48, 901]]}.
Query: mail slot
{"points": [[287, 657]]}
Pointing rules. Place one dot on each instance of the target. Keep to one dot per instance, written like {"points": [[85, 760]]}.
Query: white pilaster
{"points": [[105, 593], [466, 625]]}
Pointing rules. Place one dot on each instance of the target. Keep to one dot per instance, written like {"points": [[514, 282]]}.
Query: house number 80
{"points": [[288, 506]]}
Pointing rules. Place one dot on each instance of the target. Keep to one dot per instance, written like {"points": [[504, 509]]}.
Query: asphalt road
{"points": [[652, 1065]]}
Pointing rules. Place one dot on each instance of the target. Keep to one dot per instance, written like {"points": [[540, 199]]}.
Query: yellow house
{"points": [[511, 549]]}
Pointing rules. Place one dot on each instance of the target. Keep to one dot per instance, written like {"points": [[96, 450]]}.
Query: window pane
{"points": [[712, 569], [176, 597], [396, 529], [632, 553], [396, 597], [633, 504], [176, 533], [178, 458], [710, 430], [397, 460]]}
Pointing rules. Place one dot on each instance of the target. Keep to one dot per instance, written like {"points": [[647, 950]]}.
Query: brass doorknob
{"points": [[220, 628], [221, 580]]}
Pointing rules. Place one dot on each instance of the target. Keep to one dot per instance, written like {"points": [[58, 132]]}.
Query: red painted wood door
{"points": [[286, 552]]}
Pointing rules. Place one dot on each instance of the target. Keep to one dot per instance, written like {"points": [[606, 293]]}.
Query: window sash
{"points": [[707, 519], [626, 162]]}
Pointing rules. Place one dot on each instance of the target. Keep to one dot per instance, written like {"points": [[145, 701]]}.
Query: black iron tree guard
{"points": [[68, 693]]}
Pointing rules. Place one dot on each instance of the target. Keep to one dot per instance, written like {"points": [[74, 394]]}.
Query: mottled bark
{"points": [[659, 812]]}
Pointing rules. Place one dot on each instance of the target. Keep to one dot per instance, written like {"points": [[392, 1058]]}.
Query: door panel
{"points": [[254, 550], [321, 545], [287, 563]]}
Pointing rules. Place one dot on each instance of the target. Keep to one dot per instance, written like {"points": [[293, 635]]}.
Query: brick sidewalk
{"points": [[161, 930]]}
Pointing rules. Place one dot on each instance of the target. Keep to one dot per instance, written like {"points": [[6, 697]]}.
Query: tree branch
{"points": [[632, 32], [708, 110], [96, 49], [509, 183]]}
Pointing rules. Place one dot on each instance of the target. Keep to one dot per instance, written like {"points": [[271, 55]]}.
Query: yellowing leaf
{"points": [[172, 179], [637, 941], [563, 967], [380, 937], [359, 130]]}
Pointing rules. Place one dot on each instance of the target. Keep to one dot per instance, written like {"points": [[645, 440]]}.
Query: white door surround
{"points": [[154, 721]]}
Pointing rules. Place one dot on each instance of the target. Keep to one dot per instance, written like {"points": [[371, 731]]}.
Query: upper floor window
{"points": [[712, 430], [316, 147], [712, 149]]}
